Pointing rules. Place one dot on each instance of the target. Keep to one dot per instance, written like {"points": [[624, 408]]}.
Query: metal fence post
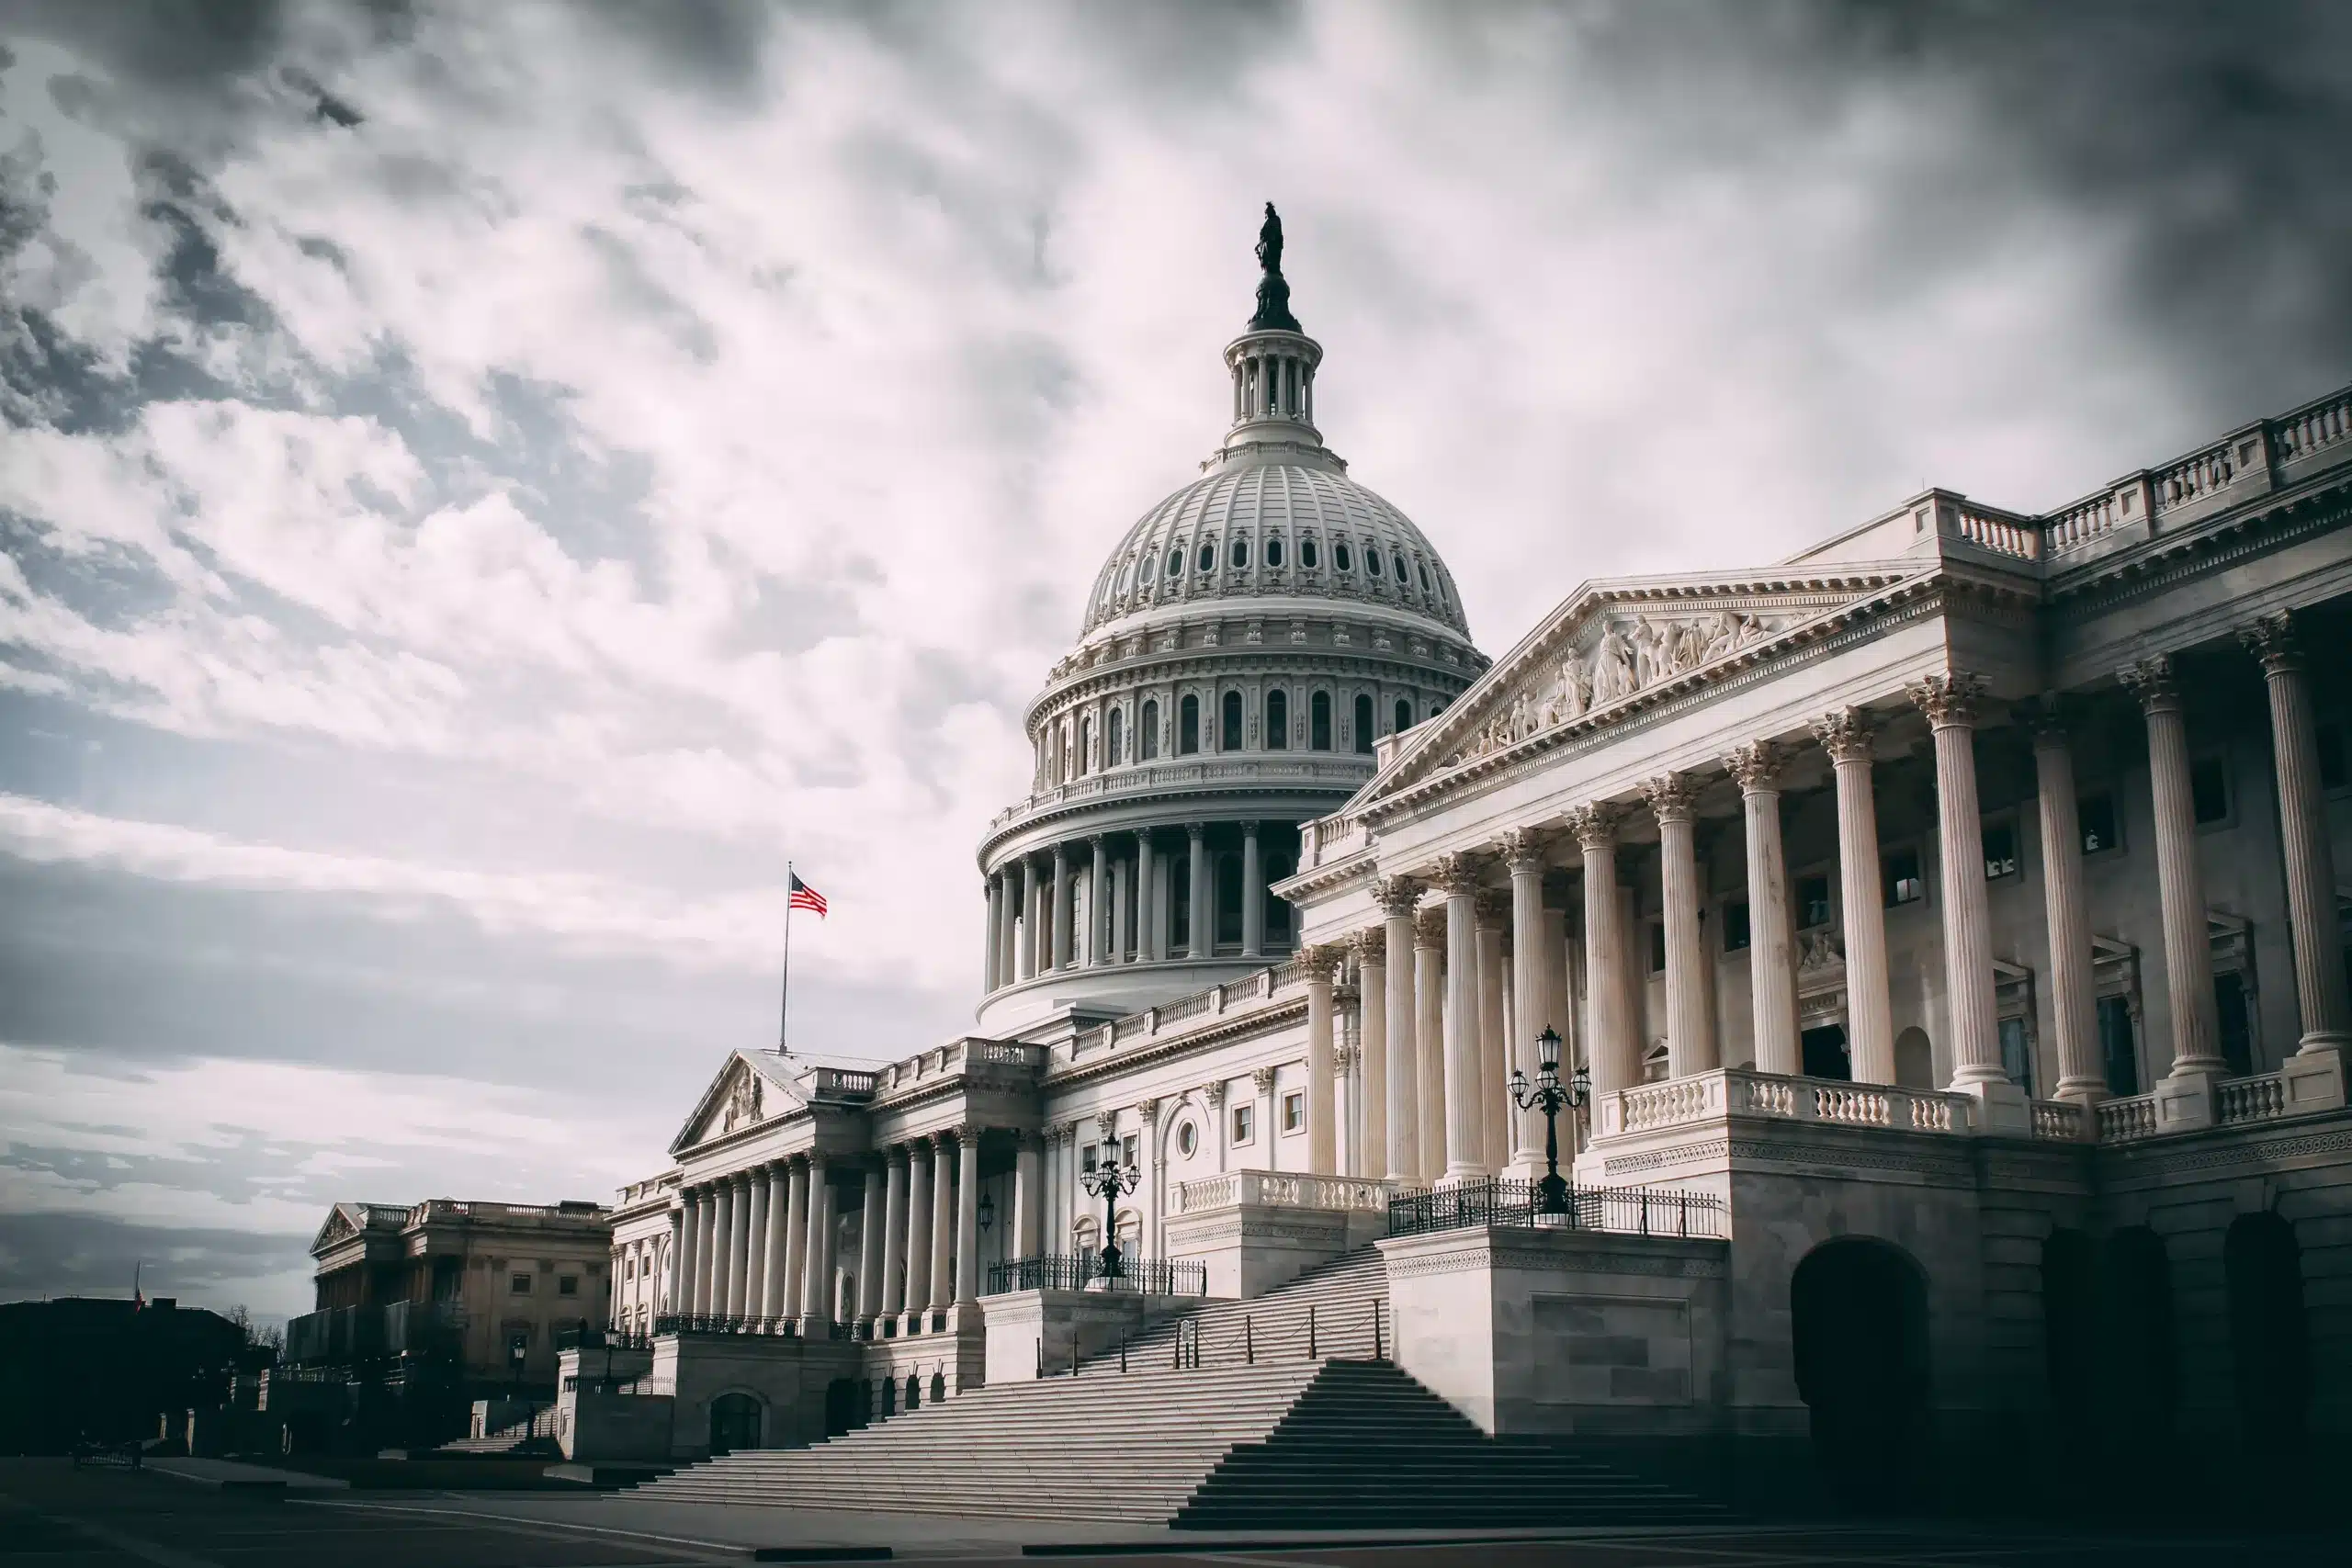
{"points": [[1248, 1343]]}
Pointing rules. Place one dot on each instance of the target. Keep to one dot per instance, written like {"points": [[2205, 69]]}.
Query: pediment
{"points": [[753, 1086], [344, 1222], [1613, 647]]}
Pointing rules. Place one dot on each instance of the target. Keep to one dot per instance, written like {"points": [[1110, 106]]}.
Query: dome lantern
{"points": [[1272, 363]]}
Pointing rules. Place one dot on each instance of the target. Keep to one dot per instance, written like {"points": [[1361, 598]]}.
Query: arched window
{"points": [[1424, 573], [1319, 722], [1175, 562], [1230, 730], [1241, 553], [1151, 568], [1085, 742], [1277, 720], [1340, 555], [1371, 561], [1207, 561], [1188, 724], [1404, 715], [1147, 741], [1307, 552], [1274, 550], [1112, 733], [1363, 723]]}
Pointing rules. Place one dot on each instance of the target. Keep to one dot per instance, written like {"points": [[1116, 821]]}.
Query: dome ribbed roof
{"points": [[1274, 529]]}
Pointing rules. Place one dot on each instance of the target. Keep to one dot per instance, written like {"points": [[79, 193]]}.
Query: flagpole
{"points": [[783, 1019]]}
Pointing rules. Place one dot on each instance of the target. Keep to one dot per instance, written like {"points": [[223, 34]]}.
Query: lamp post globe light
{"points": [[1107, 1180], [1548, 1093]]}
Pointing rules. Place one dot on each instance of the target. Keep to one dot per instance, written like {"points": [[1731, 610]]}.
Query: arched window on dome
{"points": [[1307, 552], [1085, 744], [1240, 554], [1112, 735], [1363, 723], [1371, 561], [1150, 571], [1229, 728], [1175, 562], [1424, 573], [1319, 722], [1274, 551], [1340, 556], [1404, 715], [1188, 724], [1147, 734], [1207, 559], [1278, 720]]}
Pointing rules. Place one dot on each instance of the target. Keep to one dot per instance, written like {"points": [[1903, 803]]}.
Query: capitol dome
{"points": [[1246, 647]]}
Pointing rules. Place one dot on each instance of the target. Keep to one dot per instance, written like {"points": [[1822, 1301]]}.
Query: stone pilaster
{"points": [[1847, 736], [1268, 1156], [1028, 1195]]}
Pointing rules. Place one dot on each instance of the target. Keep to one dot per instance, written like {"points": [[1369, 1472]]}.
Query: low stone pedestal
{"points": [[1034, 1333], [1258, 1230]]}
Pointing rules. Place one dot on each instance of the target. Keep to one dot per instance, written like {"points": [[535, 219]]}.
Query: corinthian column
{"points": [[1253, 893], [2073, 1003], [1027, 946], [995, 893], [795, 1236], [1098, 904], [1847, 736], [894, 1233], [1322, 1144], [773, 1301], [1771, 948], [2320, 986], [918, 1227], [1059, 923], [1465, 1127], [942, 1223], [817, 1275], [1534, 983], [755, 1271], [967, 1215], [1372, 1065], [1028, 1196], [1950, 702], [2186, 1097], [1493, 1128], [734, 1233], [1616, 1056], [1689, 1021], [1398, 897], [871, 1229], [1429, 1038], [1201, 938], [685, 1269]]}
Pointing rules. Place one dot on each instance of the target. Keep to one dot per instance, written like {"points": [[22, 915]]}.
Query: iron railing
{"points": [[1145, 1276], [613, 1336], [1490, 1201], [710, 1322]]}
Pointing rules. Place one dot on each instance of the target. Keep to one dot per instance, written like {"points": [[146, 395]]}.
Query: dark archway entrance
{"points": [[1860, 1312], [734, 1423], [1824, 1053], [2269, 1341], [2138, 1383]]}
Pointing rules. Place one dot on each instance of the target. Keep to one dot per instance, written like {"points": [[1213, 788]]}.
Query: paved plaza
{"points": [[52, 1513]]}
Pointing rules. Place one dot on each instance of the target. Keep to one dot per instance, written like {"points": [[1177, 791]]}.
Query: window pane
{"points": [[1812, 901], [1188, 726], [2332, 771], [1319, 722], [1363, 724], [1230, 740], [1735, 925], [2016, 1060], [1900, 871], [2097, 816], [1657, 948], [2000, 850], [1277, 720], [2208, 788], [2116, 1045]]}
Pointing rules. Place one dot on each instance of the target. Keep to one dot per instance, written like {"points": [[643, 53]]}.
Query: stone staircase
{"points": [[1347, 1300]]}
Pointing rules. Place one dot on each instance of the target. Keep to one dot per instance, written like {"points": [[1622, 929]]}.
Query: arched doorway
{"points": [[1860, 1318], [734, 1423], [846, 1400], [2137, 1367], [1914, 1060], [2269, 1341]]}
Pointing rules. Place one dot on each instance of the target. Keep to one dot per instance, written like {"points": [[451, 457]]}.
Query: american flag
{"points": [[807, 898]]}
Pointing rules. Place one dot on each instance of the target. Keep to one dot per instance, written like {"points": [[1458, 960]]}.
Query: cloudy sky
{"points": [[483, 485]]}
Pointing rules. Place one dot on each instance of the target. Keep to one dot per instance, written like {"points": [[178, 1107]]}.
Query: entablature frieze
{"points": [[1306, 663], [1229, 1029]]}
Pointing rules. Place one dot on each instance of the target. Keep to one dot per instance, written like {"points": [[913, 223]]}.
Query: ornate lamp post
{"points": [[1548, 1092], [1107, 1180]]}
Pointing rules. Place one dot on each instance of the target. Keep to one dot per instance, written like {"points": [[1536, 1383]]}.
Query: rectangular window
{"points": [[1658, 947], [1899, 870], [2230, 1003], [1090, 1158], [1735, 925], [2016, 1060], [2000, 851], [1813, 902], [2094, 815], [519, 1284], [2208, 788], [1244, 1124], [567, 1284], [2116, 1045], [1293, 1111], [1128, 1147]]}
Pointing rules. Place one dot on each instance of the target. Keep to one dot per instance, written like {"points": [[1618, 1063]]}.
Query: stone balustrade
{"points": [[2132, 1116], [1337, 1194], [1737, 1091], [2262, 1097], [2058, 1121]]}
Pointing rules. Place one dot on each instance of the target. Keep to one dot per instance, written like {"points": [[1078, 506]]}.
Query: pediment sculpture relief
{"points": [[742, 1106], [1629, 654]]}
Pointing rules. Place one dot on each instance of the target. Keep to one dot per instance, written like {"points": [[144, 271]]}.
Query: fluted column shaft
{"points": [[1430, 937], [989, 958], [2180, 879], [1322, 1141], [1771, 942], [967, 1215], [1060, 923], [795, 1233], [1949, 703], [1028, 940], [1203, 932], [942, 1223], [686, 1272], [755, 1270], [1404, 1117], [772, 1298], [1098, 904], [870, 1246], [1493, 1128], [2321, 990], [1870, 1012], [919, 1194], [817, 1278], [894, 1234], [1122, 891], [1690, 1021], [734, 1235], [1372, 1062], [1616, 1060], [1151, 900], [1535, 980], [1253, 893], [1028, 1198], [2074, 997]]}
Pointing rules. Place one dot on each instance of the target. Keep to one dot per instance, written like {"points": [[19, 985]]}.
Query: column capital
{"points": [[1757, 765], [2272, 640], [1197, 831], [1948, 699], [1319, 963], [1847, 735], [1250, 827], [1214, 1092], [1263, 1078], [1369, 946], [1099, 841], [1106, 1122], [940, 1137], [1148, 1109], [1523, 849], [1595, 825], [1061, 857], [2049, 717], [1455, 874], [2151, 680], [1494, 907], [1345, 1059], [1429, 928], [1671, 797], [1397, 895], [897, 1154]]}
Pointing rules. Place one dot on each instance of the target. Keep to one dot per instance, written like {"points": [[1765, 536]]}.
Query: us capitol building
{"points": [[1946, 927]]}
